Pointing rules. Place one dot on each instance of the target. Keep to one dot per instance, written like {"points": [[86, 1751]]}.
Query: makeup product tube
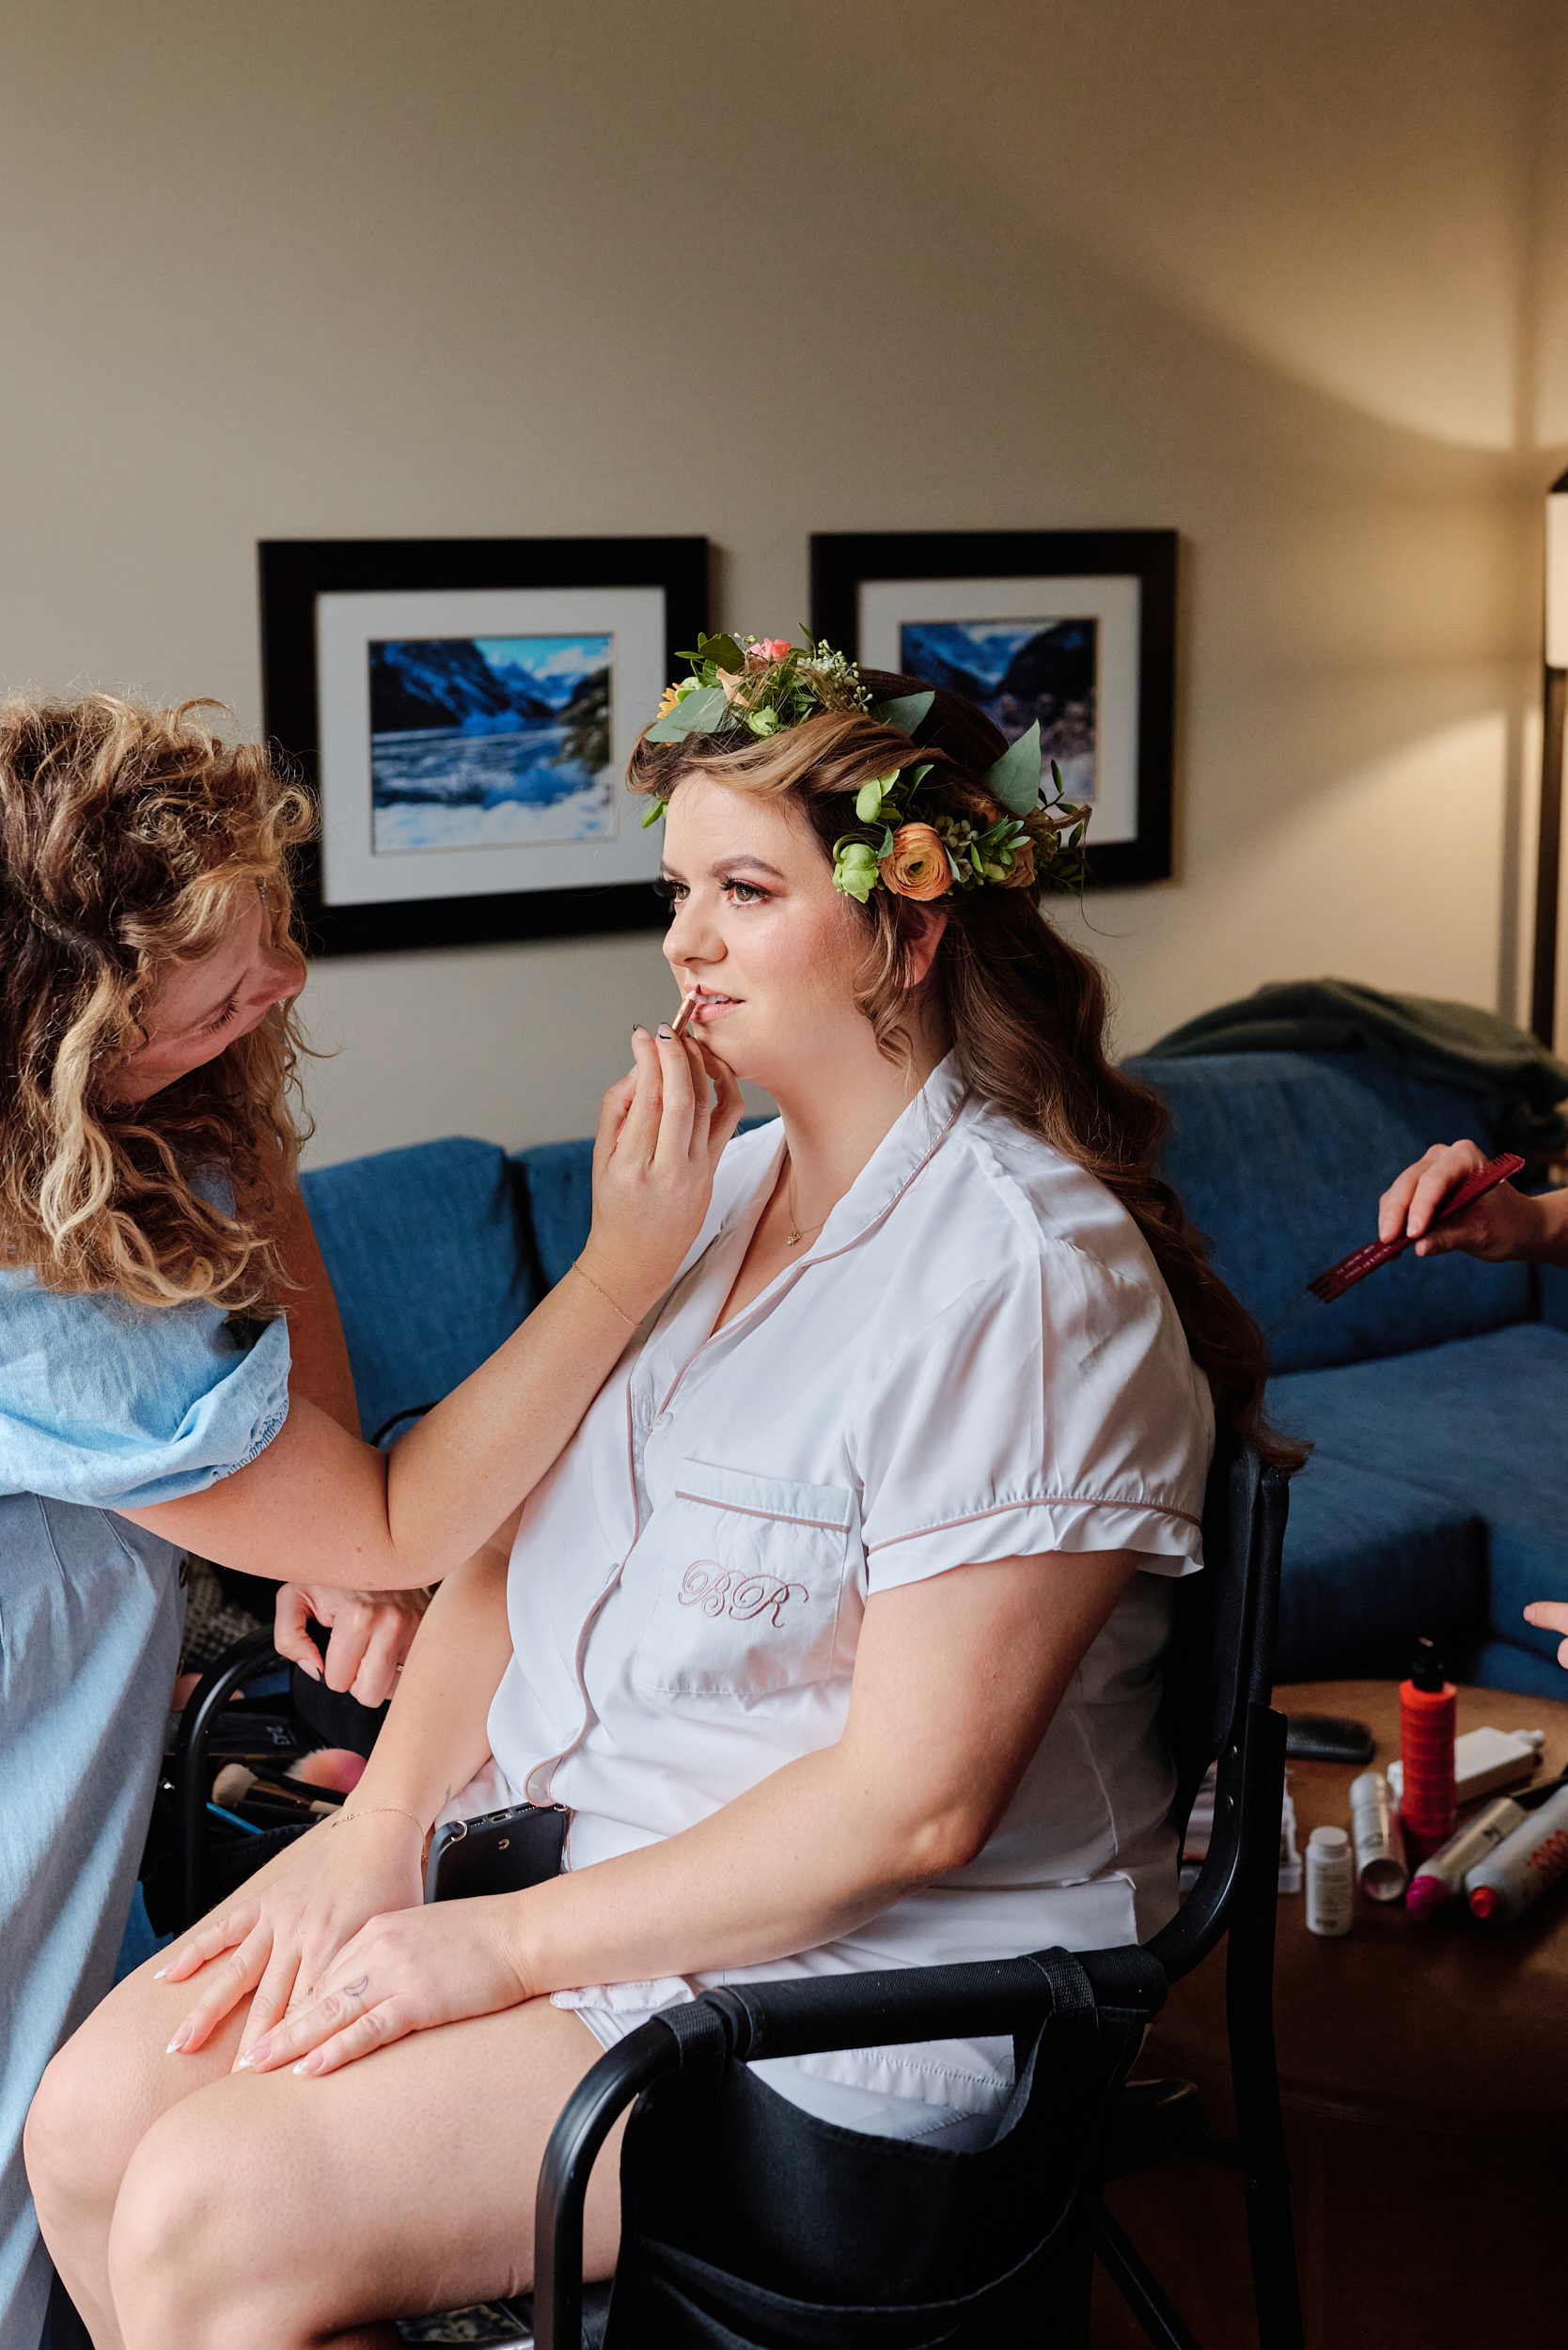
{"points": [[1503, 1885], [1330, 1881], [1427, 1703], [1440, 1881], [682, 1019], [1375, 1824]]}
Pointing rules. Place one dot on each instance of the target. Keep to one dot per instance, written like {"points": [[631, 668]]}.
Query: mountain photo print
{"points": [[1018, 672], [490, 742]]}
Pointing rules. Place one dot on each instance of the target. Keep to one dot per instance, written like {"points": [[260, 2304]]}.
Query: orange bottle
{"points": [[1427, 1707]]}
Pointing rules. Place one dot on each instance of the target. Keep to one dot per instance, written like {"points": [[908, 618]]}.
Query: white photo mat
{"points": [[347, 626]]}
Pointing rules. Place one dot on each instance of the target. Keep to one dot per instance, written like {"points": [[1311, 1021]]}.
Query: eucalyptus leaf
{"points": [[703, 712], [1015, 778], [905, 712]]}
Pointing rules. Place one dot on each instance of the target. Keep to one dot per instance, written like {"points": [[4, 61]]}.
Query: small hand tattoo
{"points": [[356, 1990]]}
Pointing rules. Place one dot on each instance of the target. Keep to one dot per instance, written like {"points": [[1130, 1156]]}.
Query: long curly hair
{"points": [[129, 838], [1021, 1010]]}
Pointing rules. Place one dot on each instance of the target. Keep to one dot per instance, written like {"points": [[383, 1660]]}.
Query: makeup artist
{"points": [[173, 1374], [1503, 1227]]}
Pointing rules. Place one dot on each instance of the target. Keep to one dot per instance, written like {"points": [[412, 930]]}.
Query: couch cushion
{"points": [[1279, 1158], [1481, 1422], [426, 1251], [559, 1180], [1369, 1559]]}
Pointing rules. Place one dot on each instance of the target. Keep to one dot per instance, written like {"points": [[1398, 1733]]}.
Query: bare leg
{"points": [[276, 2213]]}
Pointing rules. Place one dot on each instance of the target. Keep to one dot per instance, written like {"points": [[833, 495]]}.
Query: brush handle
{"points": [[1355, 1267]]}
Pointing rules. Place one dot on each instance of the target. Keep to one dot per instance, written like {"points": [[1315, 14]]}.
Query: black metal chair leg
{"points": [[1254, 2069], [1139, 2289]]}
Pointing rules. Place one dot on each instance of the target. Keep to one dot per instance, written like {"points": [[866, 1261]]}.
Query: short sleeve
{"points": [[1048, 1407], [120, 1407]]}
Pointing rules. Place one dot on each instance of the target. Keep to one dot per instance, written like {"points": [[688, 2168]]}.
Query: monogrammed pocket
{"points": [[751, 1580]]}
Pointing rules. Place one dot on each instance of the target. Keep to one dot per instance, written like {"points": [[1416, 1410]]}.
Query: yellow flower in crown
{"points": [[672, 695]]}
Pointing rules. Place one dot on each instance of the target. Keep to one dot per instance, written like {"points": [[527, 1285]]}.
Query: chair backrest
{"points": [[1220, 1673]]}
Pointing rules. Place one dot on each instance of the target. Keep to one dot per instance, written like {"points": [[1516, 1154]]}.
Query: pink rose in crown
{"points": [[772, 649]]}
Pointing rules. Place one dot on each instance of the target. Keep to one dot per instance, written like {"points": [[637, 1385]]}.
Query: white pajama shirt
{"points": [[977, 1359]]}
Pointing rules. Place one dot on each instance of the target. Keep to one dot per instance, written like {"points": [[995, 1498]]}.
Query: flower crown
{"points": [[1017, 836]]}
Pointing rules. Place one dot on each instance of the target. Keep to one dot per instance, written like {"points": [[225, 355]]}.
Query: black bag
{"points": [[748, 2224]]}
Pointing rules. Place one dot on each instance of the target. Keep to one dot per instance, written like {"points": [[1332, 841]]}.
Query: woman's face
{"points": [[199, 1008], [758, 929]]}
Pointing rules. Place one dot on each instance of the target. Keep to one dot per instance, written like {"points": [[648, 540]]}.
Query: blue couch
{"points": [[1436, 1393]]}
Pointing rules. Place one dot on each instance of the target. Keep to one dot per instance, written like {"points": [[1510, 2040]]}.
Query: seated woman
{"points": [[837, 1626]]}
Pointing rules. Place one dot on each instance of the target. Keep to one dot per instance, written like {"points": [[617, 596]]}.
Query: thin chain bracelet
{"points": [[347, 1819], [605, 1293]]}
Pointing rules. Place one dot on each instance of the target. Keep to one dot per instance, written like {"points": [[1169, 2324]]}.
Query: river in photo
{"points": [[443, 787]]}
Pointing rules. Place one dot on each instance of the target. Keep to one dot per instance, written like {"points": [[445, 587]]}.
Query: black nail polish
{"points": [[666, 1034], [637, 1028]]}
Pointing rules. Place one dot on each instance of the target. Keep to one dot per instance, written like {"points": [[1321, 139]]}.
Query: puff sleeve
{"points": [[120, 1407], [1052, 1405]]}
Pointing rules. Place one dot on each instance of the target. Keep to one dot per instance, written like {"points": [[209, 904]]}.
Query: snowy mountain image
{"points": [[488, 741], [1017, 671]]}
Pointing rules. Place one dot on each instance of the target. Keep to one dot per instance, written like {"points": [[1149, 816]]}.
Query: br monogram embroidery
{"points": [[708, 1586]]}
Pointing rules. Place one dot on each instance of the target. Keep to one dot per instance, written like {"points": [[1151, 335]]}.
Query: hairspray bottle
{"points": [[1427, 1708], [1522, 1866]]}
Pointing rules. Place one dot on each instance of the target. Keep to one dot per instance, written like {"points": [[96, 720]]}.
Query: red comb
{"points": [[1355, 1267]]}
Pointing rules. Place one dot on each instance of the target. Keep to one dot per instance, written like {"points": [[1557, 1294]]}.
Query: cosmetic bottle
{"points": [[1523, 1866], [1330, 1881], [1427, 1706], [1379, 1839]]}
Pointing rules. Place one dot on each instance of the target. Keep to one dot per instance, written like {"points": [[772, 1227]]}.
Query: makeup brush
{"points": [[1355, 1267]]}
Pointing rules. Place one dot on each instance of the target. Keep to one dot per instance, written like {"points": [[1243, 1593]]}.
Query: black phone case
{"points": [[500, 1851]]}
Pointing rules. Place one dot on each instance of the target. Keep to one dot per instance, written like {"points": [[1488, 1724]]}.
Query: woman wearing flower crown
{"points": [[837, 1626]]}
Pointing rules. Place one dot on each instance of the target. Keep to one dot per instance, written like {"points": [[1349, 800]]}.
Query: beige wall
{"points": [[1279, 274]]}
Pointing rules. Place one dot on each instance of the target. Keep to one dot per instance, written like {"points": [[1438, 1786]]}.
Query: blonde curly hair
{"points": [[130, 839]]}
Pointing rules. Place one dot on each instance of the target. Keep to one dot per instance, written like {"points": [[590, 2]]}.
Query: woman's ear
{"points": [[923, 938]]}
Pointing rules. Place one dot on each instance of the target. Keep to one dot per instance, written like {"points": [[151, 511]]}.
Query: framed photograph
{"points": [[465, 707], [1076, 628]]}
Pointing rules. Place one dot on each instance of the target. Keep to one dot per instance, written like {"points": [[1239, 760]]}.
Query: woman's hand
{"points": [[285, 1929], [1504, 1223], [371, 1634], [1550, 1615], [654, 1158], [399, 1974]]}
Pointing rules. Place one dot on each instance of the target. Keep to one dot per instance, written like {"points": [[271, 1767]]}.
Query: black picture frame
{"points": [[844, 561], [294, 573]]}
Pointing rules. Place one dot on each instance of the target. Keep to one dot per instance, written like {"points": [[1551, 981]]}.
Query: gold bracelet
{"points": [[346, 1819], [576, 1267]]}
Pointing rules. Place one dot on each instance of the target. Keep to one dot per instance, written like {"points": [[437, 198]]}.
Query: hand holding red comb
{"points": [[1353, 1268]]}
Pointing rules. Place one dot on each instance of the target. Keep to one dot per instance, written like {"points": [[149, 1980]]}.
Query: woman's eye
{"points": [[745, 893], [223, 1017], [672, 892]]}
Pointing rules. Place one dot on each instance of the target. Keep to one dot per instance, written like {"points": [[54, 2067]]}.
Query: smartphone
{"points": [[500, 1851]]}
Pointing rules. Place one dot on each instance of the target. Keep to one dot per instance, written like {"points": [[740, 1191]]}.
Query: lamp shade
{"points": [[1557, 575]]}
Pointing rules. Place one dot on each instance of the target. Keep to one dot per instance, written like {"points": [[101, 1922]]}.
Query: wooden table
{"points": [[1424, 2076]]}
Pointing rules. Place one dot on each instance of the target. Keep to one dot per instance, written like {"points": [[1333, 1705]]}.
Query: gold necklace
{"points": [[795, 1236]]}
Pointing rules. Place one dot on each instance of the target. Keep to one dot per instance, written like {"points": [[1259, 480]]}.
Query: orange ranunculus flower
{"points": [[917, 864], [1022, 865]]}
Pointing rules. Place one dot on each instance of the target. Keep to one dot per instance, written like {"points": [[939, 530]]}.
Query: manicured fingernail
{"points": [[255, 2054], [312, 2064], [161, 1973], [637, 1028], [178, 2041], [666, 1034]]}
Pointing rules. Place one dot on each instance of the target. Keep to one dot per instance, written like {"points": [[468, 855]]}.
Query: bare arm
{"points": [[317, 1507], [286, 1925], [956, 1681]]}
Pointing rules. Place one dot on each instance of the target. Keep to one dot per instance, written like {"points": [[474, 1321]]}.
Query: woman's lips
{"points": [[708, 1006]]}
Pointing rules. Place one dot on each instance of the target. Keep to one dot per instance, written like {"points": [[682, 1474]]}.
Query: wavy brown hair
{"points": [[129, 838], [1023, 1011]]}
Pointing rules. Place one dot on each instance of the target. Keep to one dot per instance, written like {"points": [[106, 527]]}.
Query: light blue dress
{"points": [[104, 1406]]}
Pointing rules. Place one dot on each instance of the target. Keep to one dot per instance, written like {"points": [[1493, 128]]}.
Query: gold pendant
{"points": [[791, 1239]]}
